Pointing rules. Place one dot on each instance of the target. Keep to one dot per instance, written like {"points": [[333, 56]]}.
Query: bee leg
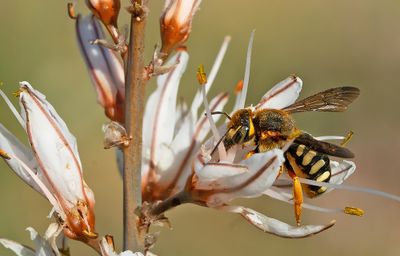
{"points": [[249, 154], [281, 169], [297, 195], [252, 152]]}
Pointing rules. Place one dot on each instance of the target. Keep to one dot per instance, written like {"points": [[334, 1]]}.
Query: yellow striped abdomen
{"points": [[308, 164]]}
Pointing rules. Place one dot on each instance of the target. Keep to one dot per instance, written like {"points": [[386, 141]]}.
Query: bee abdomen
{"points": [[313, 165]]}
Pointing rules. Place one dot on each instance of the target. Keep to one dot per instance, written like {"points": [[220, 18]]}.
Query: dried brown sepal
{"points": [[115, 135], [71, 11], [110, 241], [139, 11]]}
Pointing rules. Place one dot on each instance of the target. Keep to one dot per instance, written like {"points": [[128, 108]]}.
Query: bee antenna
{"points": [[219, 141], [220, 113]]}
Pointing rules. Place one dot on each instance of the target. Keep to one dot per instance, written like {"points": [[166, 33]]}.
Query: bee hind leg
{"points": [[297, 196]]}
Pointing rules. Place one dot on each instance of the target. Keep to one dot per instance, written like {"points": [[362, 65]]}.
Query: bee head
{"points": [[240, 129]]}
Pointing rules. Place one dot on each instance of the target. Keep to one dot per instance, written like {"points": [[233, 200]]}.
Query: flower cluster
{"points": [[177, 166]]}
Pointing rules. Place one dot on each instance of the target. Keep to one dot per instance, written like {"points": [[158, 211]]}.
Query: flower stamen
{"points": [[353, 211], [347, 138], [202, 78], [12, 108]]}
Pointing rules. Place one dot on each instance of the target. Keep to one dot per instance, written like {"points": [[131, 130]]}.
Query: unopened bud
{"points": [[71, 10], [107, 12], [176, 23]]}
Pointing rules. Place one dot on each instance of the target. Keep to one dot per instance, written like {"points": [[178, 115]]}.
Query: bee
{"points": [[307, 157]]}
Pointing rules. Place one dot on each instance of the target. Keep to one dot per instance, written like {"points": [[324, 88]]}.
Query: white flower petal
{"points": [[11, 145], [184, 146], [182, 11], [107, 250], [43, 187], [43, 247], [213, 171], [274, 226], [198, 99], [55, 147], [160, 112], [105, 69], [282, 94], [17, 248], [52, 233], [172, 175], [182, 111], [340, 172], [262, 171], [243, 93]]}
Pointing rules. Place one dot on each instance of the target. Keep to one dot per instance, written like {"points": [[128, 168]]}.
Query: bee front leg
{"points": [[297, 196]]}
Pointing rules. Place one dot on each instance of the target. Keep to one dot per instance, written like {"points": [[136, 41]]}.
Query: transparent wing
{"points": [[332, 100]]}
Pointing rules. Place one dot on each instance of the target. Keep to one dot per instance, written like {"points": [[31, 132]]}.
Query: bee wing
{"points": [[332, 100], [282, 94], [323, 147]]}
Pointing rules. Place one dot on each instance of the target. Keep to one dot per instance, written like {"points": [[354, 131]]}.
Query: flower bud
{"points": [[176, 23], [105, 68], [107, 12]]}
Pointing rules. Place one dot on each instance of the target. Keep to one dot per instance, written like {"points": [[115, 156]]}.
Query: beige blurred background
{"points": [[326, 43]]}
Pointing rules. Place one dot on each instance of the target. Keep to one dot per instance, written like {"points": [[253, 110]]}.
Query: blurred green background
{"points": [[326, 43]]}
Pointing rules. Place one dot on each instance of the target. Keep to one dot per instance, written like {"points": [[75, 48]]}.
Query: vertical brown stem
{"points": [[134, 109]]}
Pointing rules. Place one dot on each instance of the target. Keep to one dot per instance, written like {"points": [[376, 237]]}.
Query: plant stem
{"points": [[134, 109], [169, 203], [94, 244]]}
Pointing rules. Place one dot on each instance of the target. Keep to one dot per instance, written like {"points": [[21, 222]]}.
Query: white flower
{"points": [[52, 167], [44, 246], [178, 168], [173, 134]]}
